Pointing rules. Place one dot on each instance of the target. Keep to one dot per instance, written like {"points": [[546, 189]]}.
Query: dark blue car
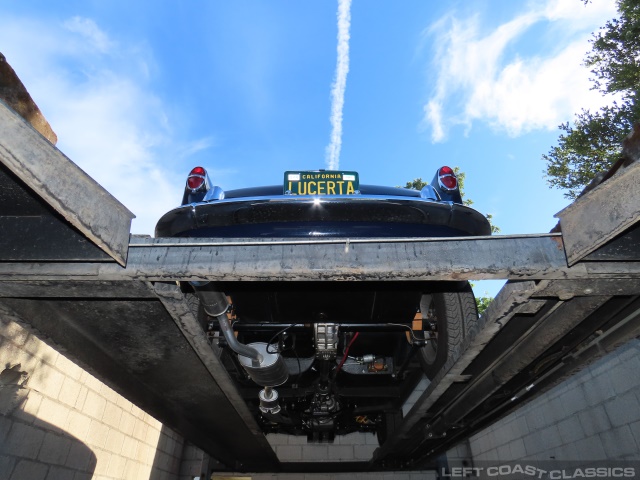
{"points": [[344, 356]]}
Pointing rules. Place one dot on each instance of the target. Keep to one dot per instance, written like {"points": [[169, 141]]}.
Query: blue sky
{"points": [[140, 92]]}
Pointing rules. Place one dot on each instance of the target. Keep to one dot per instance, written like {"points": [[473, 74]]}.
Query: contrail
{"points": [[332, 155]]}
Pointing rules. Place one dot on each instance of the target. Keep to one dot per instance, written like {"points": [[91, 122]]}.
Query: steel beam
{"points": [[65, 187], [601, 214], [176, 304], [519, 257]]}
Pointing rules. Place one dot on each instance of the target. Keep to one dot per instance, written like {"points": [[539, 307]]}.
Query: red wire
{"points": [[346, 352]]}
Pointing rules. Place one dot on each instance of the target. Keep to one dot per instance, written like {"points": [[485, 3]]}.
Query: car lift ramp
{"points": [[115, 308]]}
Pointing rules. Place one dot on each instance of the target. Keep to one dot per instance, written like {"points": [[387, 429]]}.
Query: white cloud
{"points": [[91, 32], [108, 120], [339, 85], [477, 79]]}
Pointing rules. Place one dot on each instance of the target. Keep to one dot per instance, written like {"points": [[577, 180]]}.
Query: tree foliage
{"points": [[593, 143]]}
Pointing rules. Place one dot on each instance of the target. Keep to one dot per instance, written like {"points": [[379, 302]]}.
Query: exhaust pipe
{"points": [[265, 367]]}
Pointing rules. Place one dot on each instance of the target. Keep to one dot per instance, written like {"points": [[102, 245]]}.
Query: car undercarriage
{"points": [[323, 360]]}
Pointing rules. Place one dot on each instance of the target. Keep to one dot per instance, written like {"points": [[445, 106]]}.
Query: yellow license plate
{"points": [[328, 182]]}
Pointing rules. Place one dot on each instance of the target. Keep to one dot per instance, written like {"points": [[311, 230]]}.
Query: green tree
{"points": [[593, 143]]}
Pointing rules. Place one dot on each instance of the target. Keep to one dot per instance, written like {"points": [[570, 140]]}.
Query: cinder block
{"points": [[551, 437], [623, 409], [23, 441], [80, 457], [355, 438], [624, 376], [371, 439], [504, 452], [276, 439], [26, 469], [92, 383], [590, 449], [97, 434], [296, 439], [94, 405], [534, 444], [82, 397], [143, 454], [479, 443], [598, 390], [12, 355], [69, 368], [536, 419], [55, 449], [112, 415], [140, 430], [618, 442], [127, 423], [124, 404], [604, 365], [573, 400], [52, 412], [336, 453], [108, 393], [6, 465], [136, 412], [315, 452], [130, 448], [115, 439], [28, 411], [287, 453], [594, 420], [60, 473], [70, 391], [153, 435], [47, 380], [77, 424], [363, 452], [571, 430], [102, 463], [116, 466], [554, 409], [133, 470], [567, 452], [517, 449]]}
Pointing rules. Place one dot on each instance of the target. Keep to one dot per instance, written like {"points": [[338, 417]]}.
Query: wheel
{"points": [[388, 424], [453, 314]]}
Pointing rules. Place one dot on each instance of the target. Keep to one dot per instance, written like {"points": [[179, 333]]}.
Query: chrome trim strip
{"points": [[317, 199], [157, 242]]}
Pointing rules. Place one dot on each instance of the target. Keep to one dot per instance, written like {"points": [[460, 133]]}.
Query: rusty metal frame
{"points": [[64, 186]]}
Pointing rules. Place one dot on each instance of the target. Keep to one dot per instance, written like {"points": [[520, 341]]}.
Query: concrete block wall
{"points": [[594, 415], [355, 447], [58, 422]]}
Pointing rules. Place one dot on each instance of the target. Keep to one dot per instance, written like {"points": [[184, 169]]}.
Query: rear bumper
{"points": [[361, 216]]}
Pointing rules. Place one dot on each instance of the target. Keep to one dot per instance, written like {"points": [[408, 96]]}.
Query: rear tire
{"points": [[389, 423], [455, 314]]}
